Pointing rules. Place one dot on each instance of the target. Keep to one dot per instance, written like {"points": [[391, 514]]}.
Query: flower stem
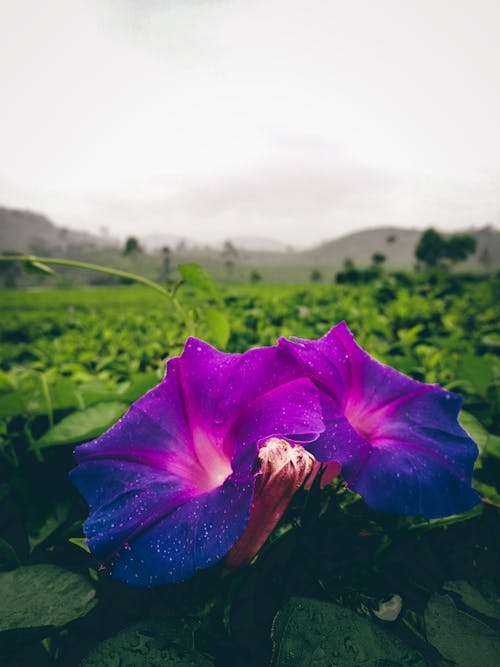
{"points": [[29, 259]]}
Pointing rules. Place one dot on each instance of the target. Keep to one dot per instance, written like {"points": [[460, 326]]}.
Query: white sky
{"points": [[294, 119]]}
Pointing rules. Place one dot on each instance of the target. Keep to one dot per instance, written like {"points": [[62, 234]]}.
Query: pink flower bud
{"points": [[283, 470]]}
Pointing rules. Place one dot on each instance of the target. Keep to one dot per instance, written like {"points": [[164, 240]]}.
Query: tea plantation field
{"points": [[72, 361]]}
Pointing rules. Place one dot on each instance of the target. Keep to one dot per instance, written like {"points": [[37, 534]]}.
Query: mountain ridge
{"points": [[28, 232]]}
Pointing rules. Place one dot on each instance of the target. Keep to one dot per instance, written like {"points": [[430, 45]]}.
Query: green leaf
{"points": [[139, 385], [475, 598], [29, 398], [488, 443], [218, 328], [477, 370], [82, 425], [313, 633], [38, 599], [493, 445], [34, 266], [458, 636], [153, 642], [6, 383], [425, 525], [8, 556], [80, 542], [12, 404], [487, 491], [474, 428], [197, 276], [41, 524]]}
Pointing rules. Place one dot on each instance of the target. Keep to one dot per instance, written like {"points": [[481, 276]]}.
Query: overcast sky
{"points": [[294, 119]]}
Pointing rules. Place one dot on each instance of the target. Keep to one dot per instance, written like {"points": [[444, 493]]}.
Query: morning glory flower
{"points": [[398, 440], [173, 485]]}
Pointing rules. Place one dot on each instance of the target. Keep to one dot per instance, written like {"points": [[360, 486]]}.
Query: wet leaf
{"points": [[39, 598], [458, 636], [483, 601], [309, 633], [153, 642]]}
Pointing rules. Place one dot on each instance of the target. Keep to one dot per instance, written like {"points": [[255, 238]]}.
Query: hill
{"points": [[26, 232], [397, 244], [33, 233]]}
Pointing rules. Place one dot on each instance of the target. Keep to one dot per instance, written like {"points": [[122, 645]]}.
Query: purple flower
{"points": [[398, 440], [171, 485]]}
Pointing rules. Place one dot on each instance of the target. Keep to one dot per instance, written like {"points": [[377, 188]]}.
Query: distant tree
{"points": [[392, 238], [166, 263], [485, 258], [433, 247], [316, 276], [378, 258], [430, 248], [132, 246], [255, 277], [350, 274], [229, 250], [229, 253], [459, 246]]}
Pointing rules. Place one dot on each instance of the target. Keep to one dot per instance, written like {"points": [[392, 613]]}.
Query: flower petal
{"points": [[124, 498], [170, 485], [398, 440], [153, 427], [195, 535], [153, 532], [290, 411], [242, 398]]}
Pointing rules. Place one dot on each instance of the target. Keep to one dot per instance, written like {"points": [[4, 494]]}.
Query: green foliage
{"points": [[132, 246], [316, 276], [255, 277], [459, 247], [378, 258], [8, 557], [353, 275], [82, 425], [154, 642], [309, 632], [197, 276], [433, 247], [40, 598], [458, 636], [33, 266], [218, 328], [71, 361]]}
